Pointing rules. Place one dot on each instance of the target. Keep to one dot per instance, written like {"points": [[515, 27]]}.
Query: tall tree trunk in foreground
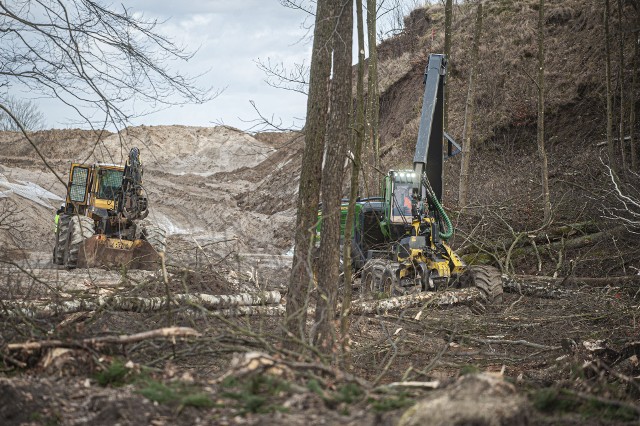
{"points": [[468, 116], [607, 51], [338, 136], [358, 142], [541, 151], [373, 107], [632, 101], [448, 17], [621, 85], [309, 188]]}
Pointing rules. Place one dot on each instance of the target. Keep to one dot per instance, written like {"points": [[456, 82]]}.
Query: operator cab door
{"points": [[80, 177], [108, 187], [400, 194]]}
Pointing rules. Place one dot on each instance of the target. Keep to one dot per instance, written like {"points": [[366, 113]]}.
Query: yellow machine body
{"points": [[92, 192]]}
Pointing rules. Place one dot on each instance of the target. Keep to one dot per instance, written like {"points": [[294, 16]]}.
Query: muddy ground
{"points": [[226, 200]]}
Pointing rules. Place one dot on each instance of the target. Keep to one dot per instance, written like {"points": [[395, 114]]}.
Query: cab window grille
{"points": [[78, 189], [110, 184]]}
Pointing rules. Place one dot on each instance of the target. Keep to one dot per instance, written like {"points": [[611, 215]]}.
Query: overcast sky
{"points": [[230, 36]]}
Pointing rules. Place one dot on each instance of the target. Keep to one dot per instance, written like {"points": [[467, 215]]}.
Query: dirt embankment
{"points": [[231, 192]]}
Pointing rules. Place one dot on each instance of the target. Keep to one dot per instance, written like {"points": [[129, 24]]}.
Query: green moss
{"points": [[254, 393], [561, 401], [115, 374], [174, 393], [391, 402], [349, 393], [469, 369]]}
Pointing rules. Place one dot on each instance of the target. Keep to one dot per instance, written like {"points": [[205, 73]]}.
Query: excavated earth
{"points": [[219, 193]]}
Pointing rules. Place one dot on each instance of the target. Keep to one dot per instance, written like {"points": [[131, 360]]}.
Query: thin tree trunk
{"points": [[541, 150], [468, 116], [632, 103], [338, 136], [621, 85], [610, 149], [373, 107], [448, 17], [309, 188], [359, 137]]}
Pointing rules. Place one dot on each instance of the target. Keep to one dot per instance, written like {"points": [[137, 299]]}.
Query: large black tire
{"points": [[154, 234], [62, 236], [390, 285], [367, 279], [80, 228], [488, 280]]}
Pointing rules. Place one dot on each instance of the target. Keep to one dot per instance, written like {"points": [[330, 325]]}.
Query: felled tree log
{"points": [[525, 248], [444, 298], [46, 308], [547, 289], [541, 238], [269, 311], [561, 287]]}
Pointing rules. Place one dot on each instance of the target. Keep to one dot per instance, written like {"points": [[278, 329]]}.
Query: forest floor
{"points": [[224, 238]]}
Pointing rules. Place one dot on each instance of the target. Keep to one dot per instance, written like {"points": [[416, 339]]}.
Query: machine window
{"points": [[402, 200], [109, 184], [78, 189]]}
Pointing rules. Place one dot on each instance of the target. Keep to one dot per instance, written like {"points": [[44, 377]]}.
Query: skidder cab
{"points": [[102, 222]]}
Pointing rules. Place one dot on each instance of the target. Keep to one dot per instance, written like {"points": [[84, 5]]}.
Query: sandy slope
{"points": [[194, 178]]}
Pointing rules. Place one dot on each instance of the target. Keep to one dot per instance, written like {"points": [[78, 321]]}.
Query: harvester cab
{"points": [[409, 250], [102, 222]]}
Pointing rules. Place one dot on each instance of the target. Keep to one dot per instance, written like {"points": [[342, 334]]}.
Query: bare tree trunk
{"points": [[610, 150], [448, 17], [468, 116], [632, 102], [338, 136], [309, 188], [373, 107], [541, 151], [621, 85], [359, 138]]}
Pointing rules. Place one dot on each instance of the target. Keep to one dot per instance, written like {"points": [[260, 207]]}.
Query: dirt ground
{"points": [[559, 353], [223, 240]]}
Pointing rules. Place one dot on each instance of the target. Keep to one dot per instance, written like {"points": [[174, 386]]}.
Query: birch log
{"points": [[444, 298], [266, 304], [46, 308]]}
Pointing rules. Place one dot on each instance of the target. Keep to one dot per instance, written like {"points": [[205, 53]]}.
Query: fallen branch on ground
{"points": [[93, 341], [513, 342]]}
